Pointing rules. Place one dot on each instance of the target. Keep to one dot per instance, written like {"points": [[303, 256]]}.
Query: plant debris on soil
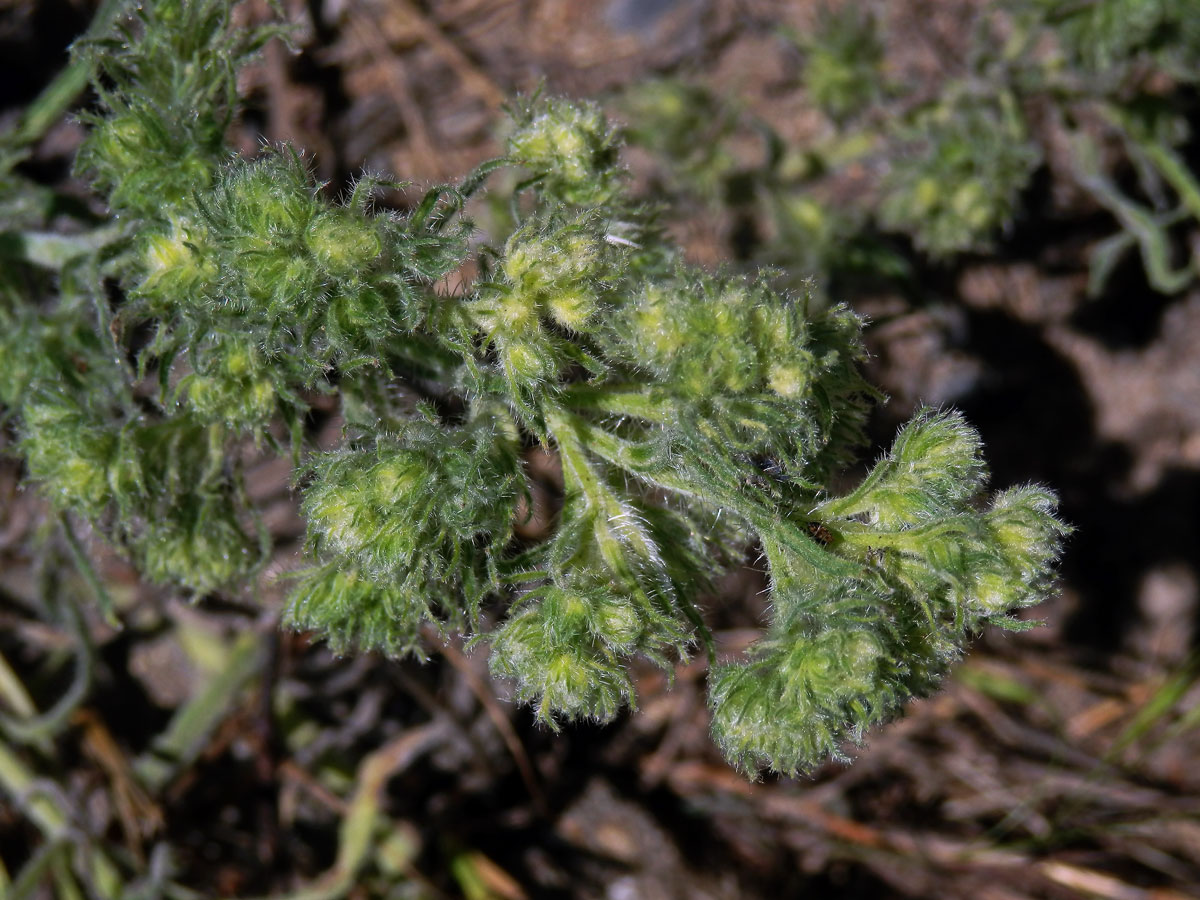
{"points": [[199, 751]]}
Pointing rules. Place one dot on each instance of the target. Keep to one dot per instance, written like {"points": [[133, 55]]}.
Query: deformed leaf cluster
{"points": [[693, 413]]}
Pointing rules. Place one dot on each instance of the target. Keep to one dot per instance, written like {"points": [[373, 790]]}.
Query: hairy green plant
{"points": [[685, 123], [949, 160], [1119, 75], [694, 414], [1107, 38], [955, 181], [843, 60]]}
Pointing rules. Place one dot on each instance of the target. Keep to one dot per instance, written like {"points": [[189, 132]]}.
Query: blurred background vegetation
{"points": [[1008, 190]]}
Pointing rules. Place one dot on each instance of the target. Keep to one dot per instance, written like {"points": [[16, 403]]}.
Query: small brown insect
{"points": [[819, 533]]}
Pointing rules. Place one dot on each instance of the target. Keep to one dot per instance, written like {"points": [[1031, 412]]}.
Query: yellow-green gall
{"points": [[167, 253], [656, 329], [515, 310], [571, 146], [338, 518], [808, 214], [993, 592], [78, 480], [527, 361], [205, 557], [521, 260], [970, 203], [70, 455], [788, 380], [569, 611], [242, 402], [618, 624], [571, 309], [343, 243], [926, 195], [123, 142], [272, 196], [580, 254], [399, 478]]}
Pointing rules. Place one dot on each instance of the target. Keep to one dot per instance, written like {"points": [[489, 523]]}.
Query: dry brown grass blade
{"points": [[297, 775], [503, 724], [471, 74], [425, 154], [1090, 883], [139, 815]]}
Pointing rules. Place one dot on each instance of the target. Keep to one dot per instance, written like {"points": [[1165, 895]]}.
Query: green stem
{"points": [[216, 456], [54, 823], [57, 97], [910, 539], [41, 728], [184, 738], [1157, 707], [715, 493], [568, 431], [576, 466], [66, 886], [473, 182], [1168, 163], [79, 556], [55, 251], [13, 691], [855, 502], [1148, 230], [33, 873], [1176, 172], [365, 827], [647, 405], [577, 469], [18, 782]]}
